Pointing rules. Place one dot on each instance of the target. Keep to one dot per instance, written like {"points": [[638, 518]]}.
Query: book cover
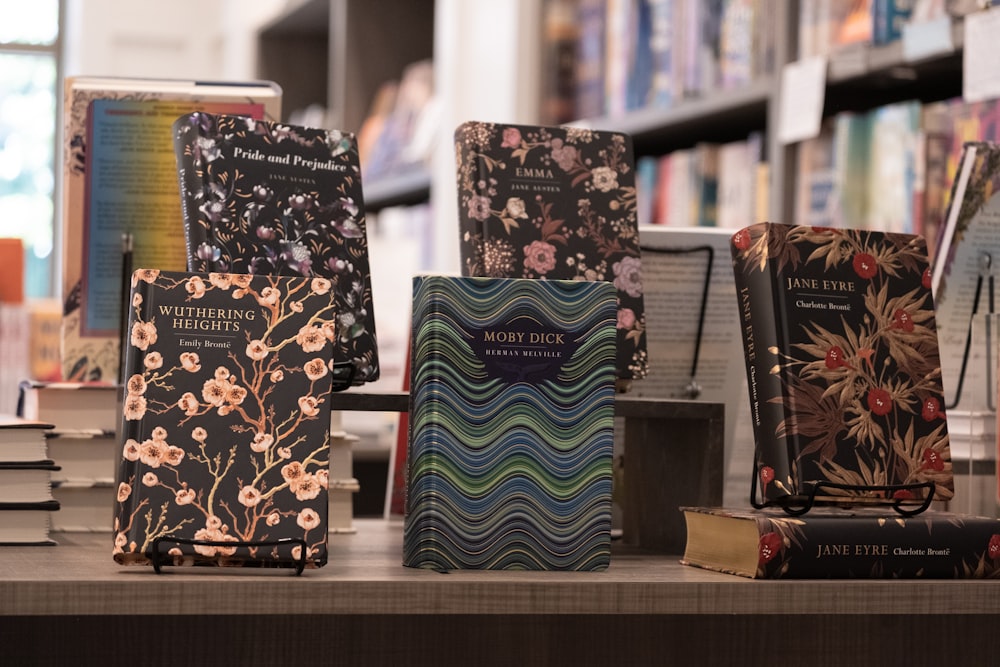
{"points": [[964, 274], [226, 419], [842, 363], [554, 203], [836, 543], [511, 424], [271, 198], [118, 170]]}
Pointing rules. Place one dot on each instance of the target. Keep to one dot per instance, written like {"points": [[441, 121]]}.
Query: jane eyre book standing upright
{"points": [[226, 419], [511, 424], [842, 364], [270, 198], [554, 203], [839, 543]]}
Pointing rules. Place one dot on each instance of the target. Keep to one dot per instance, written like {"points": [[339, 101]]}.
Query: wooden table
{"points": [[364, 608]]}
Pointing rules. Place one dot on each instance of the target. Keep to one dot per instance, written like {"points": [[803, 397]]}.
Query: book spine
{"points": [[187, 177], [876, 548], [761, 313], [140, 305]]}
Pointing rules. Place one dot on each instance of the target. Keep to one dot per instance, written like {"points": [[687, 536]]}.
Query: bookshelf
{"points": [[72, 600]]}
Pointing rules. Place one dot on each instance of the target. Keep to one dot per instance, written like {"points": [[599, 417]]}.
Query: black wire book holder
{"points": [[159, 557]]}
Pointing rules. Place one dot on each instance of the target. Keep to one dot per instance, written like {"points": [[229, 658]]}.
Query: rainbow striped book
{"points": [[511, 424]]}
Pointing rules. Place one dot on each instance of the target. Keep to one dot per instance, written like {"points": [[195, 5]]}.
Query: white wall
{"points": [[185, 39]]}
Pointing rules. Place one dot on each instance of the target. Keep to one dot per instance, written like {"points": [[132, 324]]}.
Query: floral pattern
{"points": [[849, 377], [247, 210], [554, 203], [226, 417]]}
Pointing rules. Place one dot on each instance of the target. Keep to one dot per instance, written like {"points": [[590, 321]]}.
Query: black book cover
{"points": [[554, 203], [842, 363], [260, 197], [835, 543], [226, 418]]}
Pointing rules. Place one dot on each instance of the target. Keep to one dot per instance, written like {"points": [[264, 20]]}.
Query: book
{"points": [[84, 457], [26, 523], [963, 275], [26, 481], [22, 440], [837, 543], [118, 169], [84, 507], [271, 198], [225, 420], [15, 351], [78, 406], [554, 203], [842, 364], [511, 424]]}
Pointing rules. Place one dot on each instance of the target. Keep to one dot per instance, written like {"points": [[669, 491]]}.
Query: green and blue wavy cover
{"points": [[511, 424]]}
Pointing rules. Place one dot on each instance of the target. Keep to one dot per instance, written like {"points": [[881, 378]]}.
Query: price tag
{"points": [[803, 86]]}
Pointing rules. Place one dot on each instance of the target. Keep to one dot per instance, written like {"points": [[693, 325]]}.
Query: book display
{"points": [[842, 366], [226, 419], [271, 198], [511, 424], [554, 203], [118, 167]]}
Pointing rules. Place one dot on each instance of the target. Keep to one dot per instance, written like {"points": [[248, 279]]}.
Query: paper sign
{"points": [[981, 59], [803, 84]]}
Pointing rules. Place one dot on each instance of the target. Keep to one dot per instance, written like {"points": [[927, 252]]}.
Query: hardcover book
{"points": [[119, 177], [22, 440], [554, 203], [842, 364], [26, 523], [270, 198], [837, 543], [70, 406], [511, 424], [226, 419]]}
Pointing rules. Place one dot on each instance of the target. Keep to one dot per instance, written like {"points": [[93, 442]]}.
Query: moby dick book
{"points": [[842, 364], [224, 454], [554, 203], [511, 424], [839, 543], [119, 176], [262, 197]]}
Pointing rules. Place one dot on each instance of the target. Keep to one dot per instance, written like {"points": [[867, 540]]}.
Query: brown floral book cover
{"points": [[262, 197], [225, 420], [554, 203], [842, 363]]}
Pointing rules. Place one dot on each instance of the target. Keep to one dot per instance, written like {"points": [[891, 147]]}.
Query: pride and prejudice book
{"points": [[262, 197], [511, 424], [842, 364], [840, 543], [554, 203], [225, 420]]}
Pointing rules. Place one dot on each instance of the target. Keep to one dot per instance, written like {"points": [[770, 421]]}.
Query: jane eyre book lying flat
{"points": [[226, 419], [269, 198], [511, 424], [554, 203]]}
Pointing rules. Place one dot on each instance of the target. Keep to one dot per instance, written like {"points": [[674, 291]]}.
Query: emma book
{"points": [[554, 203], [842, 365], [225, 433], [511, 424], [837, 543], [262, 197]]}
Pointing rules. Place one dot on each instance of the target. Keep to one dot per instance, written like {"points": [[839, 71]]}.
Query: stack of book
{"points": [[26, 502], [343, 485], [83, 444]]}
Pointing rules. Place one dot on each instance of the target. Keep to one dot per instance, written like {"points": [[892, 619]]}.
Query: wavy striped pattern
{"points": [[509, 474]]}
